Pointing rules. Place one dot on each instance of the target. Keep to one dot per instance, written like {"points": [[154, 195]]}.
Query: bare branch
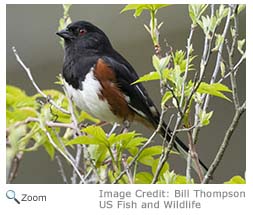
{"points": [[27, 70], [194, 155], [224, 144], [93, 166], [128, 172], [64, 155], [188, 168], [14, 167], [61, 170]]}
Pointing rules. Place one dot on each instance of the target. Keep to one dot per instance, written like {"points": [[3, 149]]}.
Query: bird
{"points": [[100, 82]]}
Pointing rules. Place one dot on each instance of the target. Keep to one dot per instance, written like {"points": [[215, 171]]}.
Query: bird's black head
{"points": [[84, 35]]}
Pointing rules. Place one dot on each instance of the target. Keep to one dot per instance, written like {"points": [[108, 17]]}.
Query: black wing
{"points": [[139, 102]]}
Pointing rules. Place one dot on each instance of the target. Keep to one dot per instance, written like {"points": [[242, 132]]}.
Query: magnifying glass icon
{"points": [[10, 194]]}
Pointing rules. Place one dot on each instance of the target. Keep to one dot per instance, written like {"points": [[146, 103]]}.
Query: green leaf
{"points": [[214, 89], [98, 153], [147, 160], [172, 178], [205, 117], [20, 114], [232, 31], [236, 180], [143, 178], [163, 63], [15, 134], [176, 78], [123, 138], [95, 135], [16, 98], [167, 96], [195, 11], [156, 63], [180, 179], [15, 91], [155, 164], [148, 77], [222, 69], [97, 132], [221, 13], [85, 116], [241, 7], [135, 142], [158, 6], [240, 44], [168, 177], [66, 8], [138, 8], [220, 87], [152, 76], [213, 24], [151, 151], [218, 42], [206, 20], [49, 149], [84, 140]]}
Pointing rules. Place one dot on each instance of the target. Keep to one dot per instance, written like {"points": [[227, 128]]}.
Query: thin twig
{"points": [[93, 166], [115, 125], [188, 47], [27, 70], [194, 155], [186, 129], [224, 144], [14, 167], [128, 172], [64, 155], [240, 61], [188, 168], [167, 129], [63, 145], [61, 170], [47, 123], [77, 162]]}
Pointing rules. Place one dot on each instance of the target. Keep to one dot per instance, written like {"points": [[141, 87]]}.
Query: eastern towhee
{"points": [[99, 80]]}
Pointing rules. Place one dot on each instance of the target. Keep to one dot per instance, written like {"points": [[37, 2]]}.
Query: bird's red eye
{"points": [[82, 32]]}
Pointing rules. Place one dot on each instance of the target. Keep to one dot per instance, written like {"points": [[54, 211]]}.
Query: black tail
{"points": [[182, 148]]}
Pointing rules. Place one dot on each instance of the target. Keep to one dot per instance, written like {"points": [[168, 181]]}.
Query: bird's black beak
{"points": [[65, 34]]}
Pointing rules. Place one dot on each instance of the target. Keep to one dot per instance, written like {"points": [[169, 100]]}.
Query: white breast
{"points": [[87, 99]]}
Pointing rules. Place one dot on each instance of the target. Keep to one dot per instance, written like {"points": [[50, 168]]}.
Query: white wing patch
{"points": [[138, 111]]}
